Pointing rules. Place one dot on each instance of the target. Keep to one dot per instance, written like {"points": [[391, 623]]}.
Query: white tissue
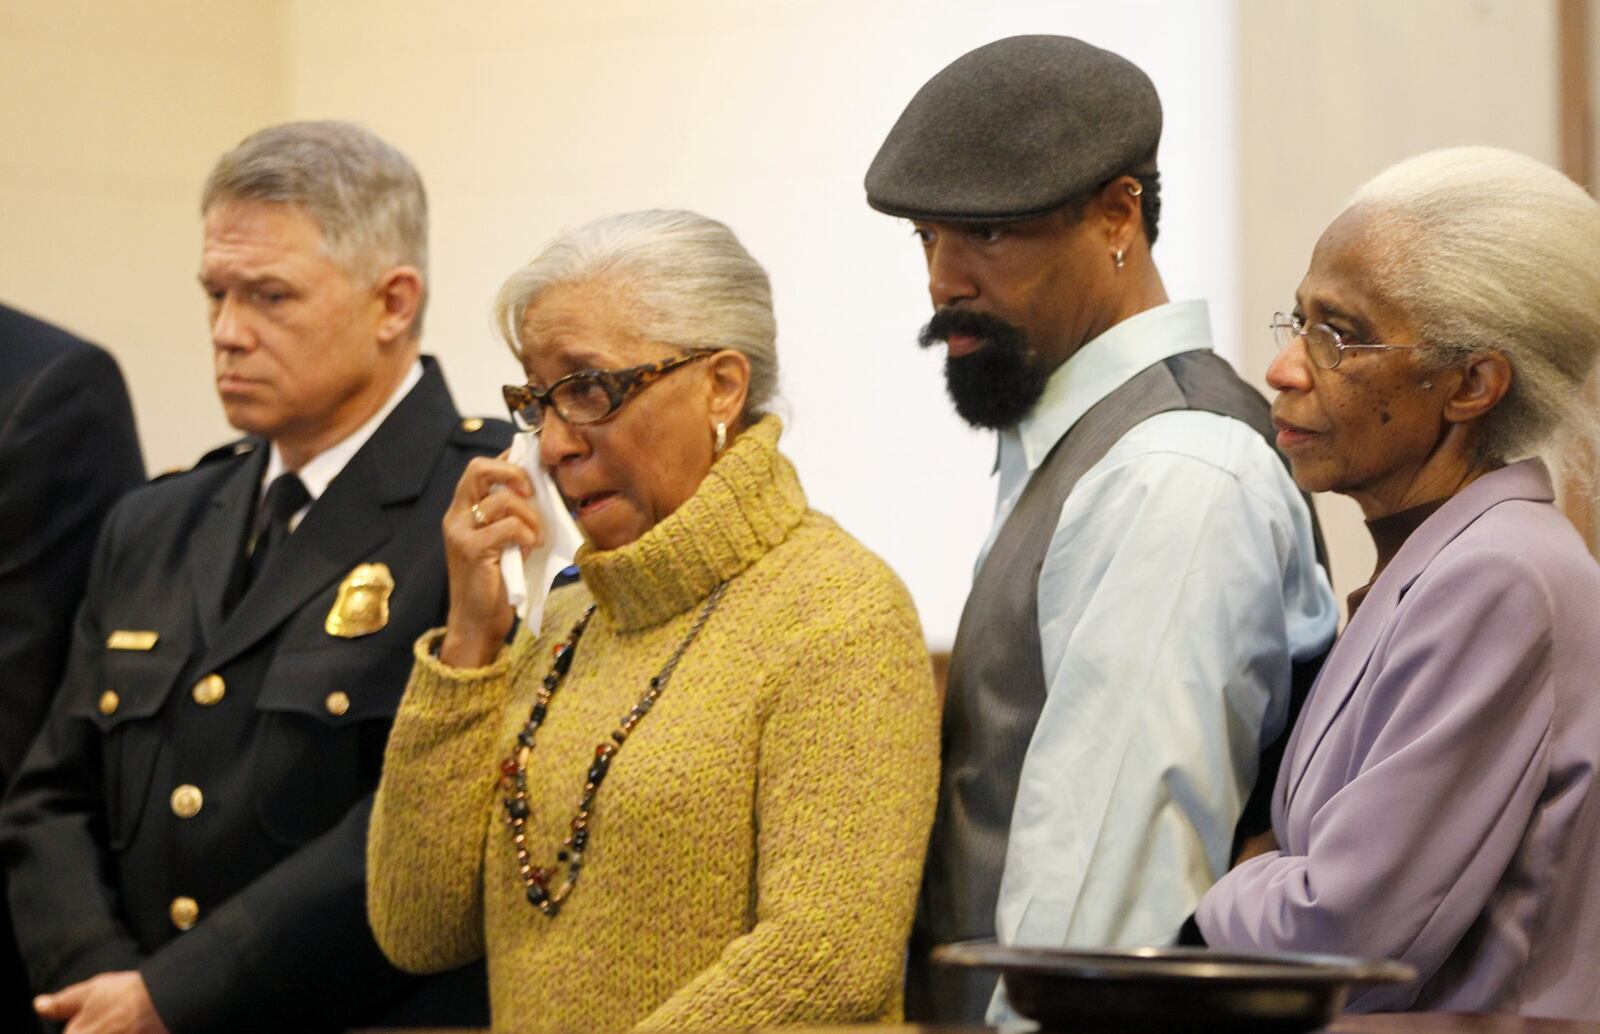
{"points": [[528, 581]]}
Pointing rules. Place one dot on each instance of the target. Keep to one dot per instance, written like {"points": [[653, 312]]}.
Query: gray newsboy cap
{"points": [[1015, 129]]}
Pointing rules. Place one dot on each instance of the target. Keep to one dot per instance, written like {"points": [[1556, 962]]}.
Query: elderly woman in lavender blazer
{"points": [[1438, 800]]}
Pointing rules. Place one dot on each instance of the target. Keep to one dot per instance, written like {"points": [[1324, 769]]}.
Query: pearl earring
{"points": [[722, 438], [1116, 257]]}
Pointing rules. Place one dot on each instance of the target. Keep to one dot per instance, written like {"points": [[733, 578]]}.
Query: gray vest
{"points": [[997, 687]]}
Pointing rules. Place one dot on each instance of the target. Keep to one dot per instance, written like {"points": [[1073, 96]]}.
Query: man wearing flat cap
{"points": [[185, 842], [1151, 593]]}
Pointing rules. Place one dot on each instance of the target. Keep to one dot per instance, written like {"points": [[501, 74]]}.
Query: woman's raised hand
{"points": [[492, 509]]}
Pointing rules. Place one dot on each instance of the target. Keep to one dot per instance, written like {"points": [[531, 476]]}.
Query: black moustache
{"points": [[948, 323]]}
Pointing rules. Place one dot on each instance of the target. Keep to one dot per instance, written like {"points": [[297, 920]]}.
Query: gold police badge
{"points": [[362, 606]]}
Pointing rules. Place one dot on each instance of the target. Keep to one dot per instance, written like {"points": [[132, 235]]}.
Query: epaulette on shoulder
{"points": [[238, 447], [483, 435]]}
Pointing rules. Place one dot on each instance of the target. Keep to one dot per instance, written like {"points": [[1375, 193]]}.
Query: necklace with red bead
{"points": [[514, 769]]}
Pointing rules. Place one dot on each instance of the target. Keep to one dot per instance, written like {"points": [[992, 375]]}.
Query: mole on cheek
{"points": [[1381, 407]]}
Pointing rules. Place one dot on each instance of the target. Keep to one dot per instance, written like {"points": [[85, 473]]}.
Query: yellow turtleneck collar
{"points": [[747, 504]]}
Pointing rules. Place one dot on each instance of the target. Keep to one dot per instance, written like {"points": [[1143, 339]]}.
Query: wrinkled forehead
{"points": [[1356, 258], [590, 324], [291, 227]]}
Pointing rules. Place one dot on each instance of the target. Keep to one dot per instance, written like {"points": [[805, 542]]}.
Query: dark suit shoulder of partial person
{"points": [[68, 451], [35, 348]]}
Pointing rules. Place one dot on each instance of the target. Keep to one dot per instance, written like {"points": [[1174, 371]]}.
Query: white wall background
{"points": [[111, 115]]}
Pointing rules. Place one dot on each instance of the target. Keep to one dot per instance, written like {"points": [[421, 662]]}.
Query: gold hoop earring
{"points": [[722, 438], [1136, 189]]}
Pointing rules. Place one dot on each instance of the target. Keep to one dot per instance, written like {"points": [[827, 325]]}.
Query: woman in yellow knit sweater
{"points": [[700, 797]]}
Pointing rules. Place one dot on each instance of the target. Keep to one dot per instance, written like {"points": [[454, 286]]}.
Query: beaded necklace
{"points": [[514, 769]]}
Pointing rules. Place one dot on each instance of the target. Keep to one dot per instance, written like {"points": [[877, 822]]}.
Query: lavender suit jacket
{"points": [[1438, 801]]}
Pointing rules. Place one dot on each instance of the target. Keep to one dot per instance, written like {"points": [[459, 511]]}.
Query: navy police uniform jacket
{"points": [[196, 804]]}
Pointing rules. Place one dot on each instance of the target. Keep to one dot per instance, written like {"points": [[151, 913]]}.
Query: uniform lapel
{"points": [[218, 540], [350, 520]]}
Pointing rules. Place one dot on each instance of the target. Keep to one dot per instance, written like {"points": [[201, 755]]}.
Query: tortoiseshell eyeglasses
{"points": [[588, 396]]}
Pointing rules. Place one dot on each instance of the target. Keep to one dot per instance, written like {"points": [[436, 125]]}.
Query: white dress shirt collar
{"points": [[1102, 365], [318, 472]]}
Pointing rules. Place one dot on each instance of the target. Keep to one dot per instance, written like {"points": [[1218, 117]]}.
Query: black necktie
{"points": [[285, 497]]}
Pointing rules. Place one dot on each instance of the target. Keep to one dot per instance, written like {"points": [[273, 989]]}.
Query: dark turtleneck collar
{"points": [[1389, 534]]}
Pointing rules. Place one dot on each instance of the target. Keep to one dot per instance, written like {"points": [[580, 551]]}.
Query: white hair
{"points": [[1492, 251], [693, 283]]}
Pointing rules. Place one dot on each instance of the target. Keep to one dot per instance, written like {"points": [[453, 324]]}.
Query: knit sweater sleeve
{"points": [[425, 842], [847, 778]]}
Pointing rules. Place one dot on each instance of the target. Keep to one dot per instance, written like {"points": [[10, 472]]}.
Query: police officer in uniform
{"points": [[185, 842]]}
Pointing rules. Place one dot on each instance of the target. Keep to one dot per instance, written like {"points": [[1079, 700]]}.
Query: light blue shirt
{"points": [[1180, 581]]}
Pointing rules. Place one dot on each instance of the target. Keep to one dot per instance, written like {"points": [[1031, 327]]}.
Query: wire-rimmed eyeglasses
{"points": [[1324, 345]]}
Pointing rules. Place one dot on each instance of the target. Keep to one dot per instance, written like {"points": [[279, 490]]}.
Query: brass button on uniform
{"points": [[472, 423], [209, 690], [109, 702], [337, 703], [185, 912], [187, 801]]}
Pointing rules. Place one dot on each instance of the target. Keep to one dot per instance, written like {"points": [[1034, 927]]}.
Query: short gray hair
{"points": [[364, 194], [693, 282], [1493, 251]]}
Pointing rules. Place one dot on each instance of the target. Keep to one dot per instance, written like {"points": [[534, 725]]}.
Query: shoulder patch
{"points": [[228, 451], [481, 434]]}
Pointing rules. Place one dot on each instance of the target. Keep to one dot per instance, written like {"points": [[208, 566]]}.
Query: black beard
{"points": [[997, 385]]}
